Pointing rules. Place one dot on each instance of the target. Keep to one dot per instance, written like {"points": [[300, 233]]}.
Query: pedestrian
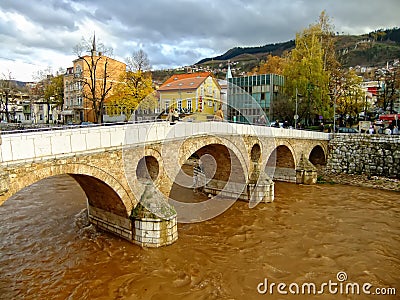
{"points": [[286, 124], [395, 130], [321, 127], [219, 115], [329, 128], [170, 117], [262, 120], [277, 124], [176, 115], [198, 172], [371, 130]]}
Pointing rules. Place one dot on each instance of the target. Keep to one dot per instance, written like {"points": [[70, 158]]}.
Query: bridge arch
{"points": [[255, 153], [281, 163], [317, 155], [238, 150], [102, 190]]}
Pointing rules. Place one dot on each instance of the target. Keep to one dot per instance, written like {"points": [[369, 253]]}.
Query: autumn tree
{"points": [[349, 96], [136, 86], [54, 93], [308, 70], [272, 65]]}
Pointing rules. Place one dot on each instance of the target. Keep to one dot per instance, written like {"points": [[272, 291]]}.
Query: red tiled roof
{"points": [[184, 81]]}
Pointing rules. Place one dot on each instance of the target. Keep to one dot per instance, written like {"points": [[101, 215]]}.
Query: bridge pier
{"points": [[258, 188], [110, 222], [306, 172]]}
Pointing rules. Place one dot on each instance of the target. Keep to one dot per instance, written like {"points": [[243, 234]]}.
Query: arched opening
{"points": [[214, 165], [147, 168], [280, 165], [255, 153], [100, 195], [317, 156]]}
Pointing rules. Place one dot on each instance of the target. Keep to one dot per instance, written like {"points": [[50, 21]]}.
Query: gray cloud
{"points": [[176, 32]]}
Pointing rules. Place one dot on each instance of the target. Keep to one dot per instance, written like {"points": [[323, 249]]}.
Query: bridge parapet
{"points": [[32, 146]]}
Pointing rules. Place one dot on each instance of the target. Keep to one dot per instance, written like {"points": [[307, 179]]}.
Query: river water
{"points": [[308, 235]]}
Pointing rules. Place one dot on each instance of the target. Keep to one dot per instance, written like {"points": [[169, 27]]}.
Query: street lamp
{"points": [[296, 116], [334, 109]]}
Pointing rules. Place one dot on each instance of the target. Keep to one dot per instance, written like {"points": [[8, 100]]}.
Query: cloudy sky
{"points": [[39, 34]]}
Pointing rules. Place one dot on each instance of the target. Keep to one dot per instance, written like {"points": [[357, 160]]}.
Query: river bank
{"points": [[383, 183]]}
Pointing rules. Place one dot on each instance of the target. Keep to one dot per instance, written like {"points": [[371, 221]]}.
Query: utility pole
{"points": [[296, 116]]}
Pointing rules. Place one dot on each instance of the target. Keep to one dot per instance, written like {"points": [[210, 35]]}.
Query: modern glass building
{"points": [[250, 96]]}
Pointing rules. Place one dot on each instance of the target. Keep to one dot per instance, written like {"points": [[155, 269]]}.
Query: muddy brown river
{"points": [[332, 236]]}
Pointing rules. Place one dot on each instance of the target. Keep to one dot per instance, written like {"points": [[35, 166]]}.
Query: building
{"points": [[250, 96], [190, 93], [78, 80]]}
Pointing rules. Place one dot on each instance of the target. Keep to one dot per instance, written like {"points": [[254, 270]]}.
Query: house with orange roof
{"points": [[189, 93]]}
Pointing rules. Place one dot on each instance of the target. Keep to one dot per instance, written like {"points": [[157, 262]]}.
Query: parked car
{"points": [[347, 130]]}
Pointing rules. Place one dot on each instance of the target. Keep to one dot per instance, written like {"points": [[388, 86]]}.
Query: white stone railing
{"points": [[34, 146]]}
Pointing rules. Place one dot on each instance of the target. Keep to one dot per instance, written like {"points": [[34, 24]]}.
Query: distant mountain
{"points": [[372, 49], [274, 49]]}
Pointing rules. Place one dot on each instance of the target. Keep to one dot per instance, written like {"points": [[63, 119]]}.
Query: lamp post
{"points": [[334, 110], [296, 116]]}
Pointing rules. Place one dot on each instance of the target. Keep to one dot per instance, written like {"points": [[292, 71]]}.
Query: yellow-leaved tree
{"points": [[308, 71], [134, 88], [272, 65]]}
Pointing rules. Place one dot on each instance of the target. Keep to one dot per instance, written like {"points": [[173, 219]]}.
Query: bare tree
{"points": [[8, 88], [95, 75], [139, 61]]}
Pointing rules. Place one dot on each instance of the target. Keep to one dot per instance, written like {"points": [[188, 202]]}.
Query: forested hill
{"points": [[274, 49], [372, 49]]}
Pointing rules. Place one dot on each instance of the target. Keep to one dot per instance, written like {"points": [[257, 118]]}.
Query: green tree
{"points": [[308, 70]]}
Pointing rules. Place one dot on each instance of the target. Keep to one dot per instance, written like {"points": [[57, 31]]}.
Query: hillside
{"points": [[372, 49]]}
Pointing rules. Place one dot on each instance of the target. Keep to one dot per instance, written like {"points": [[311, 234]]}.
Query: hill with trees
{"points": [[372, 49]]}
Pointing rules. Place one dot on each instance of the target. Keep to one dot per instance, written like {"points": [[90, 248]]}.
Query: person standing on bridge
{"points": [[170, 117], [219, 115]]}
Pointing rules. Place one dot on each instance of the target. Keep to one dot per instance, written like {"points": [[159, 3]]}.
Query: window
{"points": [[210, 104], [189, 104], [167, 106], [179, 105]]}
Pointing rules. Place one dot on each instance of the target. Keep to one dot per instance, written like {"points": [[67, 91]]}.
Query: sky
{"points": [[40, 35]]}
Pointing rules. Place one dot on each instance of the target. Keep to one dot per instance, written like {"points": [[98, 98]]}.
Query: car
{"points": [[86, 124], [347, 130], [273, 124]]}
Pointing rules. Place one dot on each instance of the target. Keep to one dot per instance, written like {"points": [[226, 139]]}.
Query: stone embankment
{"points": [[363, 160], [377, 182]]}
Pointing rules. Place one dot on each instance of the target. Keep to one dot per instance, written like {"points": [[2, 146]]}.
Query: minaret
{"points": [[94, 51], [228, 73]]}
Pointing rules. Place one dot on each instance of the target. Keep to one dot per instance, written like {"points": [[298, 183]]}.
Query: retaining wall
{"points": [[377, 155]]}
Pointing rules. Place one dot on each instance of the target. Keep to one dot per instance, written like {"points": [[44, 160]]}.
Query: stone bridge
{"points": [[127, 171]]}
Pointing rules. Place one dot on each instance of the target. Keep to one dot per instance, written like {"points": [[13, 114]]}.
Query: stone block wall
{"points": [[376, 155]]}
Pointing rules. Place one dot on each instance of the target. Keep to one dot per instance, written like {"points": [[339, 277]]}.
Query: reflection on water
{"points": [[309, 234]]}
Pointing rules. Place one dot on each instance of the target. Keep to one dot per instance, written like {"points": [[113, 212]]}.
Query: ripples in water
{"points": [[48, 249]]}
